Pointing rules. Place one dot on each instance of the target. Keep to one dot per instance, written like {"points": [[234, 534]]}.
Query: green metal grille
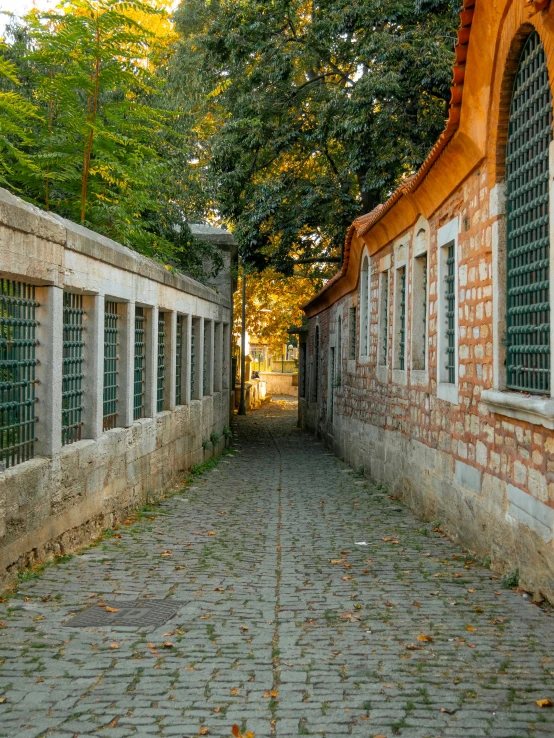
{"points": [[111, 318], [384, 317], [333, 379], [352, 334], [424, 341], [72, 375], [450, 295], [192, 356], [17, 371], [139, 384], [161, 361], [402, 327], [205, 361], [316, 360], [528, 250], [179, 343]]}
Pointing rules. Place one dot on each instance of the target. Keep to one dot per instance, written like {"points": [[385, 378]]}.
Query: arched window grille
{"points": [[528, 247]]}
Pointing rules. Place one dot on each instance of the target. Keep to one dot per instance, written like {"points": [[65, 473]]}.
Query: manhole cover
{"points": [[136, 614]]}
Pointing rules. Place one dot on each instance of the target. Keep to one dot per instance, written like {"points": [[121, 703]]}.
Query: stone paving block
{"points": [[280, 598]]}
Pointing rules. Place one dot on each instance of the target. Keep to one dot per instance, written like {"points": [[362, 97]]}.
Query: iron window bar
{"points": [[111, 347], [316, 359], [205, 361], [161, 362], [424, 342], [384, 318], [72, 373], [179, 358], [17, 371], [352, 334], [402, 337], [192, 356], [528, 219], [139, 378], [450, 295]]}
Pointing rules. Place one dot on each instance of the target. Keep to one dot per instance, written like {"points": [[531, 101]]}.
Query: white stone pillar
{"points": [[49, 354]]}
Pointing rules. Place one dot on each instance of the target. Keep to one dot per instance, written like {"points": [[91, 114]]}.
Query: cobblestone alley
{"points": [[274, 617]]}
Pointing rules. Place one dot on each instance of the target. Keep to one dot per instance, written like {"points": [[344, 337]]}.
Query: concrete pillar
{"points": [[126, 365], [49, 354], [93, 366], [170, 361], [151, 363]]}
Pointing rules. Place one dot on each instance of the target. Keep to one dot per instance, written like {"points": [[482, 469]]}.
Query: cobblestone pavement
{"points": [[284, 624]]}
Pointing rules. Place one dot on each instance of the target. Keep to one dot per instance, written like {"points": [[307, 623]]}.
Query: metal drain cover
{"points": [[135, 614]]}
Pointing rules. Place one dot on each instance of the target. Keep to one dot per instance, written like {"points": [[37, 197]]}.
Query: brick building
{"points": [[428, 359]]}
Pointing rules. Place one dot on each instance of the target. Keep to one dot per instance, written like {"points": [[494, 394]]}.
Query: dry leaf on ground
{"points": [[425, 638], [544, 703]]}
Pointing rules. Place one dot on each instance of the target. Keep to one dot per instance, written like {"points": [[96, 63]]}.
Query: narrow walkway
{"points": [[280, 620]]}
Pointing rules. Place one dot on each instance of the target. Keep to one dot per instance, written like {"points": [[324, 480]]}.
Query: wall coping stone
{"points": [[22, 216], [536, 410]]}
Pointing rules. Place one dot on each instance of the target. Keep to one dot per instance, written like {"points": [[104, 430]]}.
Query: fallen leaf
{"points": [[270, 693], [168, 644], [212, 533], [472, 590], [389, 604], [366, 571], [218, 589], [235, 730], [337, 561], [411, 647], [544, 703], [448, 711], [167, 553], [471, 628], [2, 700], [346, 579], [425, 638], [91, 596], [101, 604], [204, 731], [416, 604], [235, 690], [471, 645], [112, 609], [244, 628], [217, 709], [151, 645], [114, 645], [365, 717], [179, 567], [171, 633]]}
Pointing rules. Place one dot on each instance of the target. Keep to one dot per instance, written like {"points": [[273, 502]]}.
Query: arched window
{"points": [[528, 247], [364, 308]]}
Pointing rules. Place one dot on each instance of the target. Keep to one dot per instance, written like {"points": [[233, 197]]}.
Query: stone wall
{"points": [[280, 384], [471, 455], [67, 494]]}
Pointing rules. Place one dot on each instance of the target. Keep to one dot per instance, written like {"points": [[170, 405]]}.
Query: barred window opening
{"points": [[111, 347], [17, 371], [384, 319], [400, 318], [140, 366], [316, 364], [179, 344], [161, 362], [192, 357], [450, 294], [352, 334], [364, 308], [72, 373], [528, 243]]}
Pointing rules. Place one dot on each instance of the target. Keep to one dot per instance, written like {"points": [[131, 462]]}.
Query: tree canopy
{"points": [[87, 127], [308, 114]]}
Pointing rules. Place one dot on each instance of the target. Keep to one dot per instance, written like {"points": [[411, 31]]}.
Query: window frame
{"points": [[365, 309]]}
